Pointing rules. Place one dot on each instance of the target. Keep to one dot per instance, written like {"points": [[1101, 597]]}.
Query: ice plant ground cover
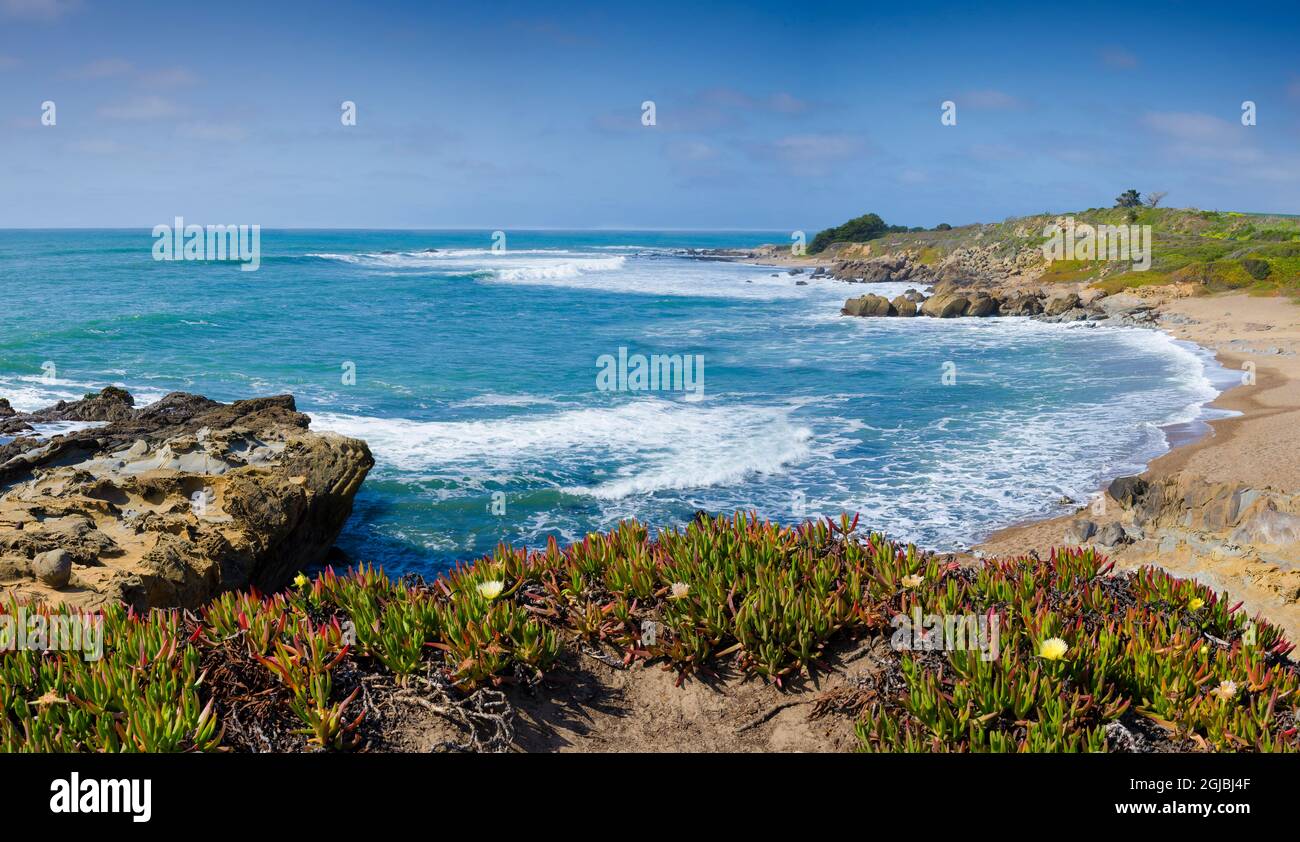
{"points": [[1084, 652]]}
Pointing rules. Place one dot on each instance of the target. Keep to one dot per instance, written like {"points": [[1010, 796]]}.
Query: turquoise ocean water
{"points": [[476, 381]]}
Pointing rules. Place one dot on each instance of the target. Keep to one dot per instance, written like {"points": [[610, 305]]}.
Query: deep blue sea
{"points": [[473, 375]]}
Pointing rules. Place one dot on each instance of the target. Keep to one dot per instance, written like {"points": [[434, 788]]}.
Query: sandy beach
{"points": [[1248, 457]]}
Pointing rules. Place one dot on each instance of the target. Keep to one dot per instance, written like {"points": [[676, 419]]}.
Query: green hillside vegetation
{"points": [[1219, 250], [862, 229]]}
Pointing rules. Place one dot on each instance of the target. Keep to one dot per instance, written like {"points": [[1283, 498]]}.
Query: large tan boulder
{"points": [[982, 304], [868, 305], [1021, 304], [903, 306], [1060, 302], [53, 568], [945, 305]]}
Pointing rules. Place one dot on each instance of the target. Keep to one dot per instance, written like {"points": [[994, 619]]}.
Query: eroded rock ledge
{"points": [[169, 504], [1233, 536]]}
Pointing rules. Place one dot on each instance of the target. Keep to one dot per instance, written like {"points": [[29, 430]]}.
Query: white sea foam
{"points": [[951, 482], [453, 259], [558, 271], [61, 428], [28, 393], [515, 265], [656, 274], [1198, 375], [493, 399], [650, 445]]}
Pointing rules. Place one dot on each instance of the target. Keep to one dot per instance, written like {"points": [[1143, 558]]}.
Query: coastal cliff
{"points": [[170, 504]]}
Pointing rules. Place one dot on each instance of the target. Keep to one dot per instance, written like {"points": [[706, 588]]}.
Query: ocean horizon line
{"points": [[428, 230]]}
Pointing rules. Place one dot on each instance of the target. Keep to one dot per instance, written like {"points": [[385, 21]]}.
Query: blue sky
{"points": [[507, 115]]}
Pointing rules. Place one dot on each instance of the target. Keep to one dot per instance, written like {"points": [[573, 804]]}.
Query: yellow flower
{"points": [[1195, 603], [913, 581], [679, 590], [491, 589], [1053, 649], [301, 581], [1226, 691]]}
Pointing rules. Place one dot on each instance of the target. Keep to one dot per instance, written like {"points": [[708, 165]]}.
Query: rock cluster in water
{"points": [[953, 299]]}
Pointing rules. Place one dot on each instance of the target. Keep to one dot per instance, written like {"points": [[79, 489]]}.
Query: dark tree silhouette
{"points": [[1129, 199]]}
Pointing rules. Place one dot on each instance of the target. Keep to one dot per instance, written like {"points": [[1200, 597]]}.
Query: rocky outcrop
{"points": [[1126, 307], [894, 267], [172, 503], [952, 298], [991, 263], [1217, 532]]}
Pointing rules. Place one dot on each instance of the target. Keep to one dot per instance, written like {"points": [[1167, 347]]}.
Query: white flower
{"points": [[491, 589], [679, 590], [1053, 649], [1226, 691]]}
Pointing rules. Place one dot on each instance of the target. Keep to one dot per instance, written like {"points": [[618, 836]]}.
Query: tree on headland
{"points": [[1129, 199], [1155, 197], [869, 226]]}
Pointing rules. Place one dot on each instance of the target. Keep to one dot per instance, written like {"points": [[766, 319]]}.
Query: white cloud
{"points": [[36, 9], [102, 69], [990, 99], [1193, 127], [691, 151], [100, 146], [995, 152], [779, 102], [817, 148], [111, 68], [787, 103], [141, 108], [812, 154], [217, 132], [708, 111], [1118, 58], [168, 77], [1228, 147]]}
